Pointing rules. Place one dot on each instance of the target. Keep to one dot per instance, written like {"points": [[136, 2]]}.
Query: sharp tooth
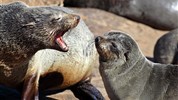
{"points": [[61, 43]]}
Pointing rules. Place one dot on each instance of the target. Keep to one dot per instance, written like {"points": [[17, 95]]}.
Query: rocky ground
{"points": [[100, 22]]}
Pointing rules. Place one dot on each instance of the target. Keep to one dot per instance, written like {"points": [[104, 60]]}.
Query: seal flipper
{"points": [[86, 91], [30, 88]]}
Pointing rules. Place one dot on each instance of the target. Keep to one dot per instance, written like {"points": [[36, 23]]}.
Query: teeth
{"points": [[58, 39], [61, 43]]}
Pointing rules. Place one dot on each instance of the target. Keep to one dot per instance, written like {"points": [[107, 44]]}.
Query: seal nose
{"points": [[77, 18], [97, 39]]}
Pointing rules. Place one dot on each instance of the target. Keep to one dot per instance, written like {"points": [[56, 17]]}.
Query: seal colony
{"points": [[49, 69], [160, 14], [128, 75], [24, 30]]}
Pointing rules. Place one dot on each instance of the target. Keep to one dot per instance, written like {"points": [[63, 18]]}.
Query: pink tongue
{"points": [[61, 43]]}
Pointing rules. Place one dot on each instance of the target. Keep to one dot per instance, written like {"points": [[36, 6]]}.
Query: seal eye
{"points": [[56, 20], [59, 18]]}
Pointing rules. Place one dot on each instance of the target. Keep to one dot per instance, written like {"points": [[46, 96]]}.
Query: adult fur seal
{"points": [[51, 69], [160, 14], [25, 30], [128, 75], [70, 70], [165, 50]]}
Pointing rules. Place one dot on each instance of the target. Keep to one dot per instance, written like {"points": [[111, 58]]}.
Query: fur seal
{"points": [[51, 69], [69, 70], [160, 14], [165, 50], [23, 31], [128, 75]]}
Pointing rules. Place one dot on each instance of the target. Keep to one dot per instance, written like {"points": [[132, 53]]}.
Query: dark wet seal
{"points": [[159, 14]]}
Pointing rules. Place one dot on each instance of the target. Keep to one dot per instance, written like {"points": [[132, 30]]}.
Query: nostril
{"points": [[97, 39], [77, 18]]}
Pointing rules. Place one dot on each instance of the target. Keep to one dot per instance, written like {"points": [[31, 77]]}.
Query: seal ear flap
{"points": [[126, 54]]}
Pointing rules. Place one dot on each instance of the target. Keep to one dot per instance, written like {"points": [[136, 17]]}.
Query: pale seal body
{"points": [[76, 64], [165, 50], [128, 75], [59, 70], [160, 14]]}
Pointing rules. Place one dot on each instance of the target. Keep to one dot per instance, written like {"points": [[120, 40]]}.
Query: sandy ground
{"points": [[100, 22]]}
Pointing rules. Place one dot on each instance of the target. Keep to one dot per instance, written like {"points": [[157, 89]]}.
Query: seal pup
{"points": [[23, 31], [165, 50], [128, 75], [159, 14]]}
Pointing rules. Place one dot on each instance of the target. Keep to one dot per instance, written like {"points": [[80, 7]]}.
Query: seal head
{"points": [[114, 48], [44, 28], [24, 30]]}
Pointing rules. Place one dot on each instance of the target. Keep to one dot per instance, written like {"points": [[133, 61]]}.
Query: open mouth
{"points": [[60, 42], [59, 34]]}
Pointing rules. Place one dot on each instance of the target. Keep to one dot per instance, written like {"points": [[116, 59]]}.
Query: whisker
{"points": [[51, 34], [91, 42]]}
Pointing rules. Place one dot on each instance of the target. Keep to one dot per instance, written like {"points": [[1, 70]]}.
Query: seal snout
{"points": [[70, 21], [77, 18], [100, 42], [97, 39]]}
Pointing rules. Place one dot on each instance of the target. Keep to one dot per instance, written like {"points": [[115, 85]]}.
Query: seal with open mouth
{"points": [[23, 31], [55, 70], [128, 75]]}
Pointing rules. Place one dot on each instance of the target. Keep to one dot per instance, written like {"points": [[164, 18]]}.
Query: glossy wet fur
{"points": [[160, 14], [165, 50]]}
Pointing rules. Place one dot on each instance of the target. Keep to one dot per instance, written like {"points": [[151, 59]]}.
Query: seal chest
{"points": [[51, 61]]}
